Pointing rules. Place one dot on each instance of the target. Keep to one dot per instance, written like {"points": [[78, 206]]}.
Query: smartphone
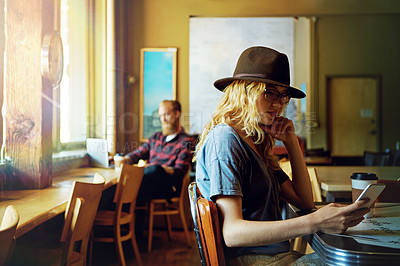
{"points": [[372, 192]]}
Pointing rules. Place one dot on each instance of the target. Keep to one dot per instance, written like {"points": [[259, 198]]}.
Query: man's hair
{"points": [[237, 108], [176, 106]]}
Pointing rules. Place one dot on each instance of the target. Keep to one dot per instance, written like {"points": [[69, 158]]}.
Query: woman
{"points": [[237, 170]]}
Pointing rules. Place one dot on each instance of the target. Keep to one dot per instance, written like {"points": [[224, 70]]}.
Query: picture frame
{"points": [[158, 68]]}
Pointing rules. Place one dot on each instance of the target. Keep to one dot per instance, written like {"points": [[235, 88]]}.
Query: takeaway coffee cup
{"points": [[118, 161], [359, 181]]}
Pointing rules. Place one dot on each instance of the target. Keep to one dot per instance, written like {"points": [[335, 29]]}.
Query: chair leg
{"points": [[151, 220], [118, 244], [67, 253], [169, 227], [84, 250], [134, 243], [185, 228], [90, 252]]}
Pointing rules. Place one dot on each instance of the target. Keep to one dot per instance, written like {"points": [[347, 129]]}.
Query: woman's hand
{"points": [[336, 218], [282, 129]]}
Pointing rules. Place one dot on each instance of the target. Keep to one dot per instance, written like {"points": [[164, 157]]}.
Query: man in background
{"points": [[168, 154]]}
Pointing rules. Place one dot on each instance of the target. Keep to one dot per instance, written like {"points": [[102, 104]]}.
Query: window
{"points": [[70, 123], [73, 89], [80, 112]]}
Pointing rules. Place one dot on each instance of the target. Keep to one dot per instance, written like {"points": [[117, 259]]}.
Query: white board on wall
{"points": [[214, 47]]}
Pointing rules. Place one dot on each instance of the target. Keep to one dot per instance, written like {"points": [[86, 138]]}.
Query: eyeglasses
{"points": [[273, 95]]}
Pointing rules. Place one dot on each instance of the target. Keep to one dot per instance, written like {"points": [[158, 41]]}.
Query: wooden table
{"points": [[336, 183], [36, 206]]}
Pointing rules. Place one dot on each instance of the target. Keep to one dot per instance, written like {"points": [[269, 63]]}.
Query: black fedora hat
{"points": [[262, 64]]}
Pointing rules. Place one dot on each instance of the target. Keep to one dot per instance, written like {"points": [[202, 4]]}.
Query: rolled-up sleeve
{"points": [[222, 164]]}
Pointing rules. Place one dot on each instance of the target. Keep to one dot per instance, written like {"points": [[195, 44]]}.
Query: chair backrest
{"points": [[192, 192], [285, 165], [396, 158], [376, 158], [79, 216], [128, 185], [391, 191], [316, 187], [7, 230], [185, 184], [207, 228]]}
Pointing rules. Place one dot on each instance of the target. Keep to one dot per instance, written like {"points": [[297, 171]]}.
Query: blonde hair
{"points": [[237, 108]]}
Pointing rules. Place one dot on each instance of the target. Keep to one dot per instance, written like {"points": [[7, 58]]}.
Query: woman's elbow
{"points": [[232, 238], [231, 241]]}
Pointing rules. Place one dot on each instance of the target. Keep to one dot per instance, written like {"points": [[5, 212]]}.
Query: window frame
{"points": [[96, 70]]}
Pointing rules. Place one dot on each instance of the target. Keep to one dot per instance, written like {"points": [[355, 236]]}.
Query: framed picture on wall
{"points": [[157, 83]]}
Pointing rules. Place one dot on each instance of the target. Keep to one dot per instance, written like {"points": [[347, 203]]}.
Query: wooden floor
{"points": [[33, 249], [164, 252]]}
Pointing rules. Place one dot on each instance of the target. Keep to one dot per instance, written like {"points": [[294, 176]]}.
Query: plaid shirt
{"points": [[176, 153]]}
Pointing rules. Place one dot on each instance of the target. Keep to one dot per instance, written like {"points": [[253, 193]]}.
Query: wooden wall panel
{"points": [[26, 115]]}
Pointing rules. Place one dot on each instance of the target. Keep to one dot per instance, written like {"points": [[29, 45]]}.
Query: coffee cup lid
{"points": [[364, 176]]}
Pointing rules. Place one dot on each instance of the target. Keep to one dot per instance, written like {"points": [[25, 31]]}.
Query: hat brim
{"points": [[221, 84]]}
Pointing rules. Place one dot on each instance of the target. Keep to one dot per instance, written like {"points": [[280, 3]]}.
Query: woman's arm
{"points": [[238, 232], [298, 191]]}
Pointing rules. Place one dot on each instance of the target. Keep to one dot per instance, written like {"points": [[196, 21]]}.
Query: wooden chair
{"points": [[79, 216], [112, 220], [316, 188], [207, 228], [376, 158], [7, 230], [286, 167], [299, 243], [193, 194], [167, 209], [396, 158], [391, 192]]}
